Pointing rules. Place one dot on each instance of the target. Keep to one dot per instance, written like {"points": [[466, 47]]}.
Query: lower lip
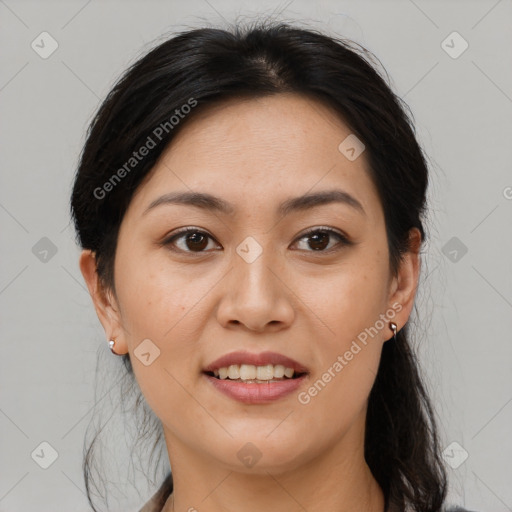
{"points": [[254, 393]]}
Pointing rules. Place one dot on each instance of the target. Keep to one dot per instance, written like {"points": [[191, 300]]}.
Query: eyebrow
{"points": [[296, 204]]}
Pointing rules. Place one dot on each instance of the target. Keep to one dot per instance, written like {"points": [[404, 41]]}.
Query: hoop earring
{"points": [[392, 326], [111, 344]]}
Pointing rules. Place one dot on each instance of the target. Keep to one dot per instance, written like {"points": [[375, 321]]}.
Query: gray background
{"points": [[50, 334]]}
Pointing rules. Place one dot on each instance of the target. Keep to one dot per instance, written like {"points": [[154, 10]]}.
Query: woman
{"points": [[250, 204]]}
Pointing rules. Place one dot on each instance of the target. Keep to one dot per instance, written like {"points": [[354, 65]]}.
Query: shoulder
{"points": [[157, 501]]}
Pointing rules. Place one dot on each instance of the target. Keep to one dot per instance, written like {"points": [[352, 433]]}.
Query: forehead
{"points": [[258, 152]]}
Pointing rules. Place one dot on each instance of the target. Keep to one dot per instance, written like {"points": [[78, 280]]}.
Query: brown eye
{"points": [[319, 239], [191, 240]]}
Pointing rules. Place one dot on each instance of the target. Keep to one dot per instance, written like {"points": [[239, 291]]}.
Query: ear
{"points": [[404, 285], [104, 301]]}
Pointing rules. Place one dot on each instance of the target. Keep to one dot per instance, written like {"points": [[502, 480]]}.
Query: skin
{"points": [[309, 305]]}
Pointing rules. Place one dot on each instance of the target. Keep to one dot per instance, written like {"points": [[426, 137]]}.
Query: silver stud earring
{"points": [[392, 326], [111, 344]]}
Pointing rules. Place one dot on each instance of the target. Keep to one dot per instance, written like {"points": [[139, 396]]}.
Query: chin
{"points": [[262, 453]]}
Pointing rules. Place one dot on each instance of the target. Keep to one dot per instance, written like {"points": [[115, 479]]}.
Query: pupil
{"points": [[195, 238], [314, 240]]}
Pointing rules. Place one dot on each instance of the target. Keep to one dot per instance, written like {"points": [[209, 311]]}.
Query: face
{"points": [[251, 277]]}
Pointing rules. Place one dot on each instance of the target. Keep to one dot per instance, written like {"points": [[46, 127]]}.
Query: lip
{"points": [[254, 393], [261, 359]]}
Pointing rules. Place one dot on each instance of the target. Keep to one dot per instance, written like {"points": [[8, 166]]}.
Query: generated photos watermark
{"points": [[153, 139], [304, 397]]}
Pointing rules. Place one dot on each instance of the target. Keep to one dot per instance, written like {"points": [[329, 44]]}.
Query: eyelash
{"points": [[342, 239]]}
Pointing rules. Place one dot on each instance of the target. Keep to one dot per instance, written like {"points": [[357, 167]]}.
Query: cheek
{"points": [[347, 301], [350, 342], [348, 356], [153, 297], [160, 304]]}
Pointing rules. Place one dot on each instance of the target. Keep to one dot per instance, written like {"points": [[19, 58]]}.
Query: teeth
{"points": [[251, 372], [234, 372], [279, 371], [265, 372], [248, 371]]}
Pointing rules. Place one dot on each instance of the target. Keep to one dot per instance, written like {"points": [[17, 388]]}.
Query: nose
{"points": [[256, 295]]}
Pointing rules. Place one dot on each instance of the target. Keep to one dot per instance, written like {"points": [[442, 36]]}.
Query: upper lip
{"points": [[261, 359]]}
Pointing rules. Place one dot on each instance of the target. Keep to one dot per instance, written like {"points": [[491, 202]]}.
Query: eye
{"points": [[319, 239], [193, 240]]}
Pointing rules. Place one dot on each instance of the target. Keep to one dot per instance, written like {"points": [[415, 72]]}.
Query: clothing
{"points": [[157, 501]]}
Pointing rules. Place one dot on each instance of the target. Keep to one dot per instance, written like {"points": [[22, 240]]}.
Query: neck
{"points": [[274, 492], [337, 479]]}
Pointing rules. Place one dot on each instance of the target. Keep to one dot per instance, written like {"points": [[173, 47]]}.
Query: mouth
{"points": [[256, 378], [255, 391]]}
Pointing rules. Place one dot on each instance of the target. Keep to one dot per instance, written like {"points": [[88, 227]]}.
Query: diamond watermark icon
{"points": [[249, 249], [454, 45], [249, 455], [454, 249], [44, 45], [44, 249], [455, 455], [44, 455], [351, 147], [147, 352]]}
